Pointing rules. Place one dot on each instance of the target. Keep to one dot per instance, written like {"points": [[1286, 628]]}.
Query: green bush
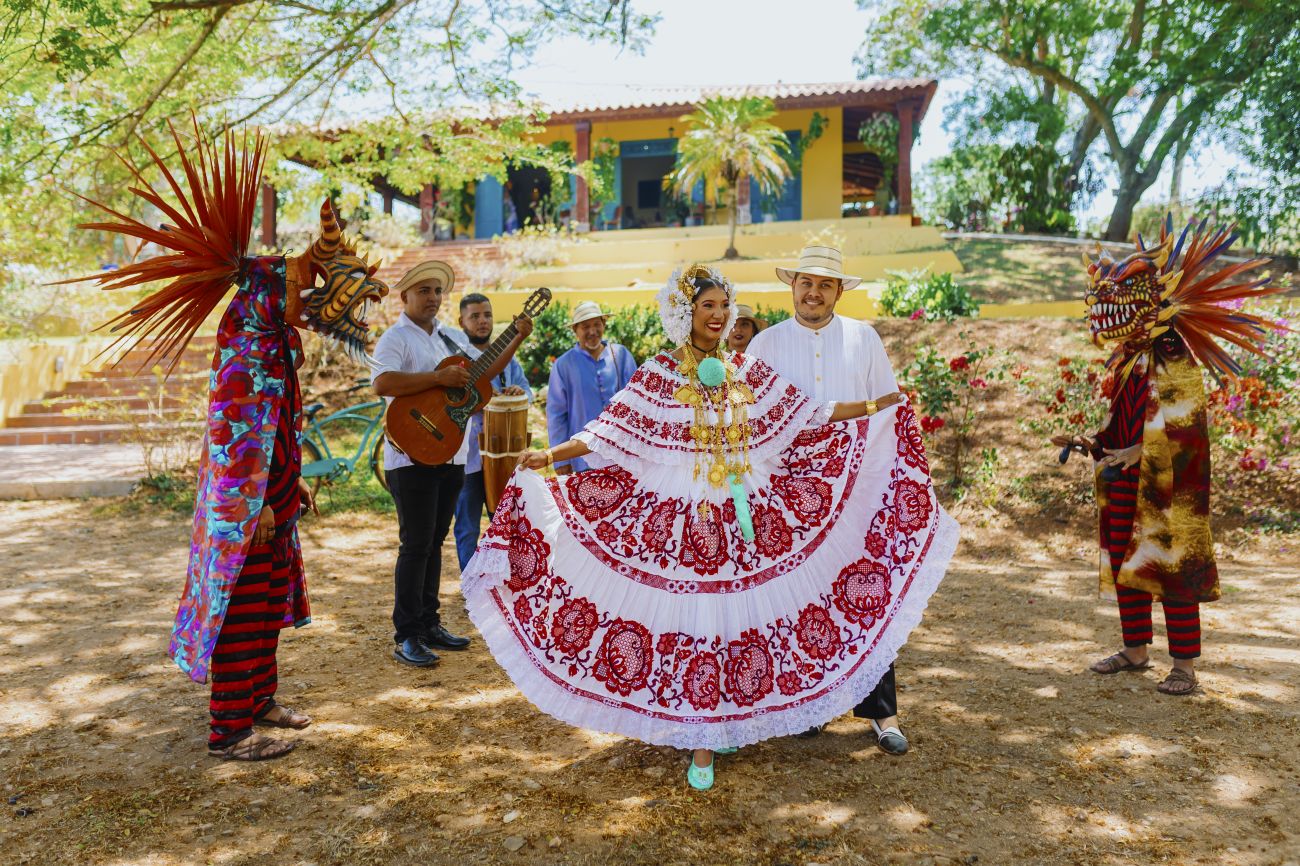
{"points": [[922, 295], [550, 339], [639, 329], [772, 315]]}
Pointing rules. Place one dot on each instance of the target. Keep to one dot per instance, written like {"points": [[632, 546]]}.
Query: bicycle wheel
{"points": [[377, 463], [310, 454]]}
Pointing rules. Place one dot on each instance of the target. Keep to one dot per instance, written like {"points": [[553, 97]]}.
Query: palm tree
{"points": [[729, 140]]}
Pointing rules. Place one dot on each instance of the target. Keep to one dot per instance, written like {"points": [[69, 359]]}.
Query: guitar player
{"points": [[405, 362]]}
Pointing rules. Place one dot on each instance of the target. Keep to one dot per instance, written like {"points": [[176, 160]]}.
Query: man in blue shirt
{"points": [[584, 379], [476, 322]]}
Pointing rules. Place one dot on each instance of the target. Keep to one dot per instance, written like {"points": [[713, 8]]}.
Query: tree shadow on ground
{"points": [[1019, 756]]}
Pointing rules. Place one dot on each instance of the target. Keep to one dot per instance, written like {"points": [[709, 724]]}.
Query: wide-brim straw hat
{"points": [[821, 262], [584, 312], [745, 311], [424, 272]]}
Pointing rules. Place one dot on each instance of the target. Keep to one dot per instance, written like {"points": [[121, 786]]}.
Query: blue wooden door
{"points": [[489, 217], [789, 203]]}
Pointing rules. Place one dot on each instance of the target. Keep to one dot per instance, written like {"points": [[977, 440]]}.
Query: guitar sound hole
{"points": [[456, 395]]}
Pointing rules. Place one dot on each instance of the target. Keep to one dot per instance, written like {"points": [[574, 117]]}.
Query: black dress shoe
{"points": [[412, 652], [890, 740], [439, 638], [814, 731]]}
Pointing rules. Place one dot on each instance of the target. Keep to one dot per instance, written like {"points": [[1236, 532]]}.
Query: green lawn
{"points": [[1010, 272]]}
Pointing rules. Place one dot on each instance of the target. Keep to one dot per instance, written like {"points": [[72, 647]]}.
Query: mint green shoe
{"points": [[727, 751], [700, 778]]}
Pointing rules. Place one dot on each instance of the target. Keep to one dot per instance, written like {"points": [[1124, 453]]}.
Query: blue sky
{"points": [[760, 42]]}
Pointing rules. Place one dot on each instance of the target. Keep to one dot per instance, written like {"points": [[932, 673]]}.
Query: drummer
{"points": [[476, 321]]}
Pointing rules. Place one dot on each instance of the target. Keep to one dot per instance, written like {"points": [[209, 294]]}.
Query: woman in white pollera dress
{"points": [[746, 565]]}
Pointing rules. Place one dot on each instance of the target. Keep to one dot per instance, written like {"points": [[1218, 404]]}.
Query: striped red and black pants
{"points": [[243, 667], [1182, 619]]}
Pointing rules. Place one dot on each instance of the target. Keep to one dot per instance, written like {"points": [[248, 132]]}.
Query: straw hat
{"points": [[745, 311], [423, 273], [585, 311], [821, 262]]}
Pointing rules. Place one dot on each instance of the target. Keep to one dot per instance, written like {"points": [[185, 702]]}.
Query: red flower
{"points": [[623, 660], [606, 532], [700, 682], [918, 314], [817, 633], [912, 506], [978, 383], [1060, 395], [862, 592], [961, 362], [574, 625], [789, 683], [749, 669], [1064, 362]]}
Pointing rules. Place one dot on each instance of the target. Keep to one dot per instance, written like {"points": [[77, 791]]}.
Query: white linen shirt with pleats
{"points": [[843, 360], [408, 348]]}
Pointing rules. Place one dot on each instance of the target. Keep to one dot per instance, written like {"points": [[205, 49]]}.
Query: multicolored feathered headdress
{"points": [[207, 233], [1166, 287], [677, 301]]}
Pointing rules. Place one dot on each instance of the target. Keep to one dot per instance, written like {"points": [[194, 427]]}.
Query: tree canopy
{"points": [[427, 88], [1133, 83]]}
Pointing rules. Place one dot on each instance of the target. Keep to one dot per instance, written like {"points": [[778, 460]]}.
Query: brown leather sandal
{"points": [[284, 718], [1117, 663], [1179, 683], [254, 749]]}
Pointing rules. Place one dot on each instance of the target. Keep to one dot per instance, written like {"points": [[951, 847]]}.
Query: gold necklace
{"points": [[721, 427]]}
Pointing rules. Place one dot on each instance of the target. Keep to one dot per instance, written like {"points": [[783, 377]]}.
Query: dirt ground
{"points": [[1018, 755]]}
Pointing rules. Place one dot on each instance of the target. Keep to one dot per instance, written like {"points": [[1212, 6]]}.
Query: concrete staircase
{"points": [[115, 403], [461, 255]]}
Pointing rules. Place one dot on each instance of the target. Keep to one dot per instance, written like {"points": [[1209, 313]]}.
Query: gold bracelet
{"points": [[871, 407], [550, 457]]}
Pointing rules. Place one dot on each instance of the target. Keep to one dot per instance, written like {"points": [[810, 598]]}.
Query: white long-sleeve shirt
{"points": [[842, 360]]}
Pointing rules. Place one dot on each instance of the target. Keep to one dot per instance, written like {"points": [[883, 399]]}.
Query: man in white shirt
{"points": [[405, 362], [831, 357]]}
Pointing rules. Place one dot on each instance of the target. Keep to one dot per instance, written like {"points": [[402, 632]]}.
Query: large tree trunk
{"points": [[1176, 181], [1131, 187], [732, 198]]}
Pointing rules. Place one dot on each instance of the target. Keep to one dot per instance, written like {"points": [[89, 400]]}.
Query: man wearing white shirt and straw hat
{"points": [[831, 357]]}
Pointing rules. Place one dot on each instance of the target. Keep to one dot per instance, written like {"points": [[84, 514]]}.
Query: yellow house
{"points": [[837, 176]]}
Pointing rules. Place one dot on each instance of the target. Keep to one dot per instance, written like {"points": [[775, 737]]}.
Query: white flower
{"points": [[676, 310]]}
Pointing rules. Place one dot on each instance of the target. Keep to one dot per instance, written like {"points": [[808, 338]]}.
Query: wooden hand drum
{"points": [[504, 438]]}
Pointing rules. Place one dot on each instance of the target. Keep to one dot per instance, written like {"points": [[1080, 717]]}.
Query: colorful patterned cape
{"points": [[1170, 552], [247, 393]]}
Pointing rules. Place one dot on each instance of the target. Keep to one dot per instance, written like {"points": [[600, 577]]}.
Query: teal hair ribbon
{"points": [[742, 508]]}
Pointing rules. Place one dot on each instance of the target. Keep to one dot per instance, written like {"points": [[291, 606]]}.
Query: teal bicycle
{"points": [[362, 423]]}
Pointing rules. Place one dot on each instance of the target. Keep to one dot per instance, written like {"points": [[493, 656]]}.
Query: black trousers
{"points": [[425, 497], [883, 700]]}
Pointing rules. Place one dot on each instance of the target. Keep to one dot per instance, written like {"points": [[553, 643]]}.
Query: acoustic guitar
{"points": [[429, 426]]}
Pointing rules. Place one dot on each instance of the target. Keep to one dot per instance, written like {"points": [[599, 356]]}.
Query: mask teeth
{"points": [[306, 293]]}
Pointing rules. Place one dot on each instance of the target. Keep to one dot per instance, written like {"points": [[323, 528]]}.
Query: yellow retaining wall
{"points": [[857, 304], [29, 369]]}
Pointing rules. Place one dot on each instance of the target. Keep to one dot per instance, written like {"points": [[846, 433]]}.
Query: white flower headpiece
{"points": [[677, 302]]}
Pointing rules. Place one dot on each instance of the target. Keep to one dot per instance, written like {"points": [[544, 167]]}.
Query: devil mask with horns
{"points": [[253, 386], [1165, 312]]}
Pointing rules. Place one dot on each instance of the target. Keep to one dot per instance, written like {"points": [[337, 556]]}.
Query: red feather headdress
{"points": [[208, 231]]}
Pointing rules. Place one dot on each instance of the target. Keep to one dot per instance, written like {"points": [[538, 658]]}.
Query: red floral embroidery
{"points": [[528, 556], [912, 506], [598, 493], [624, 658], [861, 592], [772, 536], [704, 546], [911, 447], [817, 633], [573, 626], [749, 669], [808, 498], [607, 532], [876, 544], [789, 683], [523, 610], [658, 529], [700, 682]]}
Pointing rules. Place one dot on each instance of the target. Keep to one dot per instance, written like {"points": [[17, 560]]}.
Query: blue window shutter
{"points": [[489, 215]]}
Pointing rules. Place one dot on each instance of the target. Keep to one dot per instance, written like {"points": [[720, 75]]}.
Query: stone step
{"points": [[111, 402], [87, 435], [180, 383], [130, 370], [90, 418]]}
